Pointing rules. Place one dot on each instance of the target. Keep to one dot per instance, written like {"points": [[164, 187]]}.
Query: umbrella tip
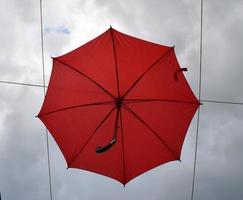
{"points": [[110, 27]]}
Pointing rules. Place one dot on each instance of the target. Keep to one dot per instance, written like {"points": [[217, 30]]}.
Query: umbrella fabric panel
{"points": [[109, 163], [96, 60], [68, 88], [159, 82], [134, 56], [72, 128], [143, 151], [170, 120]]}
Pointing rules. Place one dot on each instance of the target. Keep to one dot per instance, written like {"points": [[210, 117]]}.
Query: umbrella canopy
{"points": [[118, 106]]}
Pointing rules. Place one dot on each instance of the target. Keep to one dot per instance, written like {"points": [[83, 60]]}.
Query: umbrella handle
{"points": [[102, 149]]}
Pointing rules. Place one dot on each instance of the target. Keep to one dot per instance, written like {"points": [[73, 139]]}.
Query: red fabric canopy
{"points": [[126, 92]]}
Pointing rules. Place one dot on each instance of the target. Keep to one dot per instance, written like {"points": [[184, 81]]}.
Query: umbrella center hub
{"points": [[118, 102]]}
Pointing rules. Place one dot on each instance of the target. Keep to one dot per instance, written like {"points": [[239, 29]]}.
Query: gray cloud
{"points": [[23, 164]]}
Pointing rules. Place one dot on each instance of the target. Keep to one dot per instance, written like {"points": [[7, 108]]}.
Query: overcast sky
{"points": [[69, 24]]}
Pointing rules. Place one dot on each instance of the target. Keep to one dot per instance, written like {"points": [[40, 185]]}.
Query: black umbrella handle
{"points": [[102, 149]]}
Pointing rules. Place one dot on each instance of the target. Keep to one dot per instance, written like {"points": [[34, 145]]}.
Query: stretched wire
{"points": [[199, 97], [222, 102], [44, 93], [132, 100], [24, 84]]}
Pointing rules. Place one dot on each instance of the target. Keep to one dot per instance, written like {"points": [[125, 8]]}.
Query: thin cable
{"points": [[199, 97], [44, 90], [25, 84], [223, 102], [131, 100]]}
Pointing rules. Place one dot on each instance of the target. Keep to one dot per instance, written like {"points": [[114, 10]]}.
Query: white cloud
{"points": [[23, 169]]}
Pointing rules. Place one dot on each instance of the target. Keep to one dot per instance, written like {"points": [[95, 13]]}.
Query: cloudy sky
{"points": [[69, 24]]}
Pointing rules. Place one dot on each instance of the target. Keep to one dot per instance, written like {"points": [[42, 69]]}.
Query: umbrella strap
{"points": [[179, 71], [102, 149]]}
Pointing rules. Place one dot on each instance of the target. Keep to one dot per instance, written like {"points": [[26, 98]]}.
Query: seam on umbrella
{"points": [[86, 76], [91, 136], [145, 72], [154, 132], [160, 100], [116, 67], [123, 152], [77, 106]]}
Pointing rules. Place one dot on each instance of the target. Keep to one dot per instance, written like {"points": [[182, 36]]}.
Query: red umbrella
{"points": [[118, 106]]}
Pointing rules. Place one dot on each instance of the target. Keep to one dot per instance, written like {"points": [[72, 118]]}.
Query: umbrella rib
{"points": [[145, 72], [93, 81], [91, 136], [114, 52], [123, 148], [77, 106], [160, 100], [149, 127]]}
